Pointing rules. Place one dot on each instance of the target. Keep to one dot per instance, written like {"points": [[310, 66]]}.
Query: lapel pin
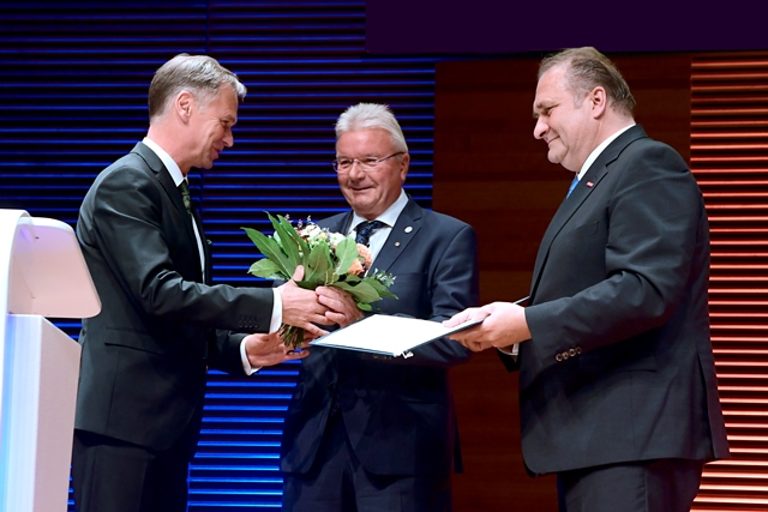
{"points": [[590, 184], [397, 244], [408, 229]]}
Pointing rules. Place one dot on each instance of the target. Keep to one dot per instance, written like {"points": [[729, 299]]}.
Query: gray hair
{"points": [[199, 74], [586, 69], [371, 115]]}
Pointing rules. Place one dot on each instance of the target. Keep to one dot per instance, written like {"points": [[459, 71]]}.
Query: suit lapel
{"points": [[206, 246], [162, 174], [403, 232], [338, 224], [174, 197], [587, 186]]}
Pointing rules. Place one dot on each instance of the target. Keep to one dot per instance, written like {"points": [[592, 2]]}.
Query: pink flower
{"points": [[365, 254], [362, 262], [356, 268]]}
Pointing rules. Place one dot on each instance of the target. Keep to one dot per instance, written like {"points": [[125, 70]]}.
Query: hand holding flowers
{"points": [[329, 259]]}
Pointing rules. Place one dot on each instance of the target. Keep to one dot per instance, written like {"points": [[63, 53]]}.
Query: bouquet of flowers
{"points": [[329, 259]]}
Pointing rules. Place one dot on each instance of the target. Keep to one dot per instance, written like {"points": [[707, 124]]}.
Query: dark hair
{"points": [[586, 69]]}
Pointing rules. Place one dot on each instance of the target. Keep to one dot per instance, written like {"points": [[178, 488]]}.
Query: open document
{"points": [[388, 334]]}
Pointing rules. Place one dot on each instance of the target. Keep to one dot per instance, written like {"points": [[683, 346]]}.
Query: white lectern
{"points": [[42, 273]]}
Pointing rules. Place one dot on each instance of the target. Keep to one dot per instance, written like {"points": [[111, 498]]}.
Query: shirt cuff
{"points": [[277, 311], [247, 368], [513, 351]]}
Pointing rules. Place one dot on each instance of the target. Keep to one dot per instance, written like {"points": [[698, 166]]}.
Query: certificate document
{"points": [[388, 335]]}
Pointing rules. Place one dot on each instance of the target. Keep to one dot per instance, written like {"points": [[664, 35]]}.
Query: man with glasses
{"points": [[372, 434]]}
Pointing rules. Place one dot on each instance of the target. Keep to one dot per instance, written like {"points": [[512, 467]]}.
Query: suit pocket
{"points": [[615, 359], [135, 340]]}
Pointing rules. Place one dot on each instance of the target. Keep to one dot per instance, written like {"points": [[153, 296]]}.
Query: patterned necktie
{"points": [[184, 188], [366, 229], [573, 185]]}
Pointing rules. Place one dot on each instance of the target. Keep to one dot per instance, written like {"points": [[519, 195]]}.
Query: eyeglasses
{"points": [[344, 165]]}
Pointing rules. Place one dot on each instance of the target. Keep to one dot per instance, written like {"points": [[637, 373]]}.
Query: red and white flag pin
{"points": [[590, 184]]}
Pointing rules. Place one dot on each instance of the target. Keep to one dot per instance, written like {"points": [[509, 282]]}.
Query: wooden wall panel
{"points": [[729, 157]]}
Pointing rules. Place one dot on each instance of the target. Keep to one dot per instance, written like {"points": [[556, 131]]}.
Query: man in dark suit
{"points": [[145, 356], [617, 380], [371, 434]]}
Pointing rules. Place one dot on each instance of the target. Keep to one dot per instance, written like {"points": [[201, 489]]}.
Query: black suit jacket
{"points": [[144, 357], [620, 364], [398, 413]]}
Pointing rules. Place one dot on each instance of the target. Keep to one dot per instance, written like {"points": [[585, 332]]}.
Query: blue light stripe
{"points": [[83, 92]]}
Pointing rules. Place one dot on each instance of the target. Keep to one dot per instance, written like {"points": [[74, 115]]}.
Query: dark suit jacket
{"points": [[144, 357], [620, 364], [398, 412]]}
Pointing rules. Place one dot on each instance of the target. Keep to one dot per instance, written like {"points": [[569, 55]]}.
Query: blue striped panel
{"points": [[73, 82]]}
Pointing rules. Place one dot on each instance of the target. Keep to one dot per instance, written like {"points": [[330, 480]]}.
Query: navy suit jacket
{"points": [[144, 356], [620, 365], [398, 412]]}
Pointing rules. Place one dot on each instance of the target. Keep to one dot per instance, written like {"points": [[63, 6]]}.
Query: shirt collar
{"points": [[168, 162], [388, 217], [599, 149]]}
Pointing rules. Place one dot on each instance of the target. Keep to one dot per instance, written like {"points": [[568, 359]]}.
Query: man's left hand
{"points": [[341, 306], [269, 349]]}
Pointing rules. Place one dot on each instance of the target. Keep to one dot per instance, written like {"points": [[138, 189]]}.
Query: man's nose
{"points": [[356, 169]]}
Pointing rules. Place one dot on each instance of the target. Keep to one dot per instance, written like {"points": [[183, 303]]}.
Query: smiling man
{"points": [[368, 434], [162, 324], [618, 393]]}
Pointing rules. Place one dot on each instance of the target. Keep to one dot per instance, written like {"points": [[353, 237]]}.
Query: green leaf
{"points": [[319, 264], [350, 279], [267, 269], [301, 244], [287, 237], [271, 250], [363, 292], [380, 288], [346, 252]]}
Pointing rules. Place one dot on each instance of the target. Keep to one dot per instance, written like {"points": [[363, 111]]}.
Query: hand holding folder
{"points": [[503, 325], [389, 335]]}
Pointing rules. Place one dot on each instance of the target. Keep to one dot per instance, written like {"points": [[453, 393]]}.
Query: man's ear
{"points": [[404, 164], [599, 100], [183, 105]]}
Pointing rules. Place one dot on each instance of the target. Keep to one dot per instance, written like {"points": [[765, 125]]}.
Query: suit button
{"points": [[572, 352], [578, 350], [559, 358]]}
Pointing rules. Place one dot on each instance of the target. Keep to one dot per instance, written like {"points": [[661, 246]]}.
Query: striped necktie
{"points": [[365, 230]]}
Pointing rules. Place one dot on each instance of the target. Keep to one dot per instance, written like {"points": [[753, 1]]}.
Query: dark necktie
{"points": [[573, 185], [366, 229], [185, 197]]}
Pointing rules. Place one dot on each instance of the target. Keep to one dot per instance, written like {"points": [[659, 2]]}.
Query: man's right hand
{"points": [[301, 307]]}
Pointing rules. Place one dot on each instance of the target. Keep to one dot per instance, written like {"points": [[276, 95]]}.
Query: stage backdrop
{"points": [[73, 81]]}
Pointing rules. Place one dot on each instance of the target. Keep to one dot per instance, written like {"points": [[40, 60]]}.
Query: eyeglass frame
{"points": [[368, 166]]}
